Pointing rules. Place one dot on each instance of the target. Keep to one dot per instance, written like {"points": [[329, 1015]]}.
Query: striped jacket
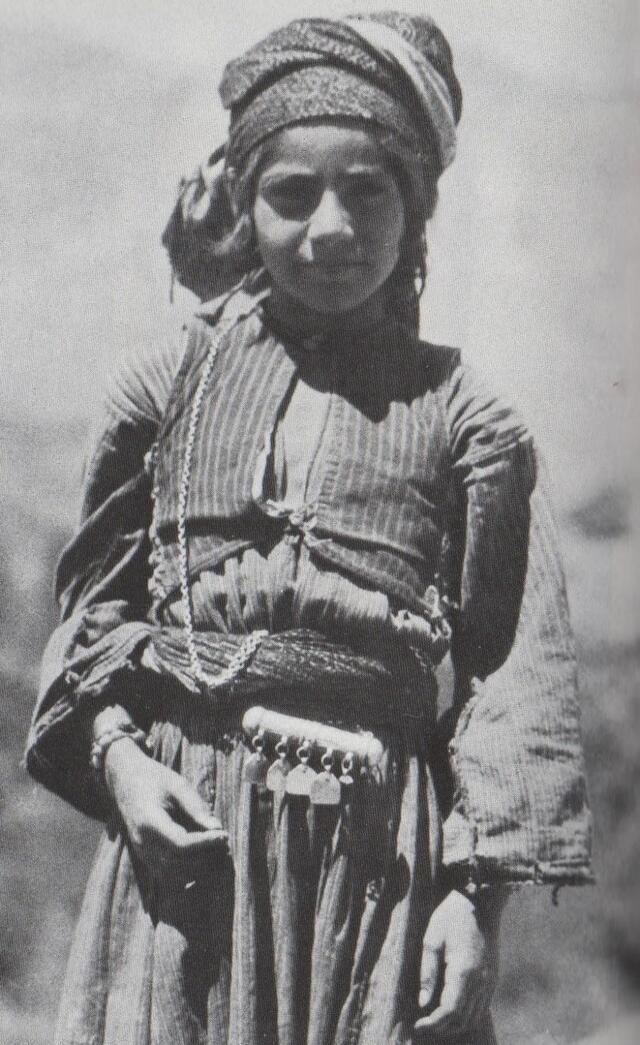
{"points": [[406, 462], [429, 482]]}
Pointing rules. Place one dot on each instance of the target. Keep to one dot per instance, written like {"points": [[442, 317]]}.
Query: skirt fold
{"points": [[309, 934]]}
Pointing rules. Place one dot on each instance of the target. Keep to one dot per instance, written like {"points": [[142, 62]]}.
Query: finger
{"points": [[177, 847], [439, 1023], [451, 1026], [455, 1005], [430, 971], [195, 809], [200, 853]]}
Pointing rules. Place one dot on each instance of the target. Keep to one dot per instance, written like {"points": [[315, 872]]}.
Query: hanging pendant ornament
{"points": [[301, 777], [347, 767], [279, 770], [256, 766], [325, 789]]}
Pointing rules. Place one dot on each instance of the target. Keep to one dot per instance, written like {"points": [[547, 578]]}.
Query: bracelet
{"points": [[100, 746]]}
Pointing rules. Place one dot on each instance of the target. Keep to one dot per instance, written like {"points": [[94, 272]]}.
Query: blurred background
{"points": [[534, 266]]}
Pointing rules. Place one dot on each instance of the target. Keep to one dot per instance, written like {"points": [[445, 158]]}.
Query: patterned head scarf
{"points": [[388, 70]]}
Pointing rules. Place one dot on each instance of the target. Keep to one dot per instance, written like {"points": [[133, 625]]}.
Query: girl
{"points": [[286, 527]]}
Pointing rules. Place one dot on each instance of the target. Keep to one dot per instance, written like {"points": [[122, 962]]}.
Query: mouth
{"points": [[335, 267]]}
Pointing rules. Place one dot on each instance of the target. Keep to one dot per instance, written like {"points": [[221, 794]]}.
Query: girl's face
{"points": [[329, 220]]}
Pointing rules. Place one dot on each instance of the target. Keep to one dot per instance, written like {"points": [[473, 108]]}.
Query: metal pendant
{"points": [[279, 770], [325, 789], [256, 766], [300, 778], [347, 767]]}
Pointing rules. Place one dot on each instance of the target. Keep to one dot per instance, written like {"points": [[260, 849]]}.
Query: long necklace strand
{"points": [[244, 654]]}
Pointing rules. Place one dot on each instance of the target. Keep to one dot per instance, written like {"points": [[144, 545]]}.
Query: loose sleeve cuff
{"points": [[77, 682]]}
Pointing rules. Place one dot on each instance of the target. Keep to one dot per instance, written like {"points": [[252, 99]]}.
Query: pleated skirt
{"points": [[309, 934]]}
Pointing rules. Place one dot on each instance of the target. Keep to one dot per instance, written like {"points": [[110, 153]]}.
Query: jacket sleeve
{"points": [[519, 808], [102, 583]]}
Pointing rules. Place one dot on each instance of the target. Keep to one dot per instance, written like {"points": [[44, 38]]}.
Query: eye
{"points": [[367, 189], [369, 185], [293, 196]]}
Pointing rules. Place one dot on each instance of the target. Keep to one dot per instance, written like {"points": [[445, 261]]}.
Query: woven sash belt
{"points": [[301, 672]]}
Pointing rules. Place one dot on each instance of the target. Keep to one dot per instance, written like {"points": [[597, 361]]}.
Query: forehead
{"points": [[325, 148]]}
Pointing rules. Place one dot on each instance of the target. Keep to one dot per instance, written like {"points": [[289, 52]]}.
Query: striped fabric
{"points": [[421, 482], [378, 524], [310, 934], [426, 478], [397, 523]]}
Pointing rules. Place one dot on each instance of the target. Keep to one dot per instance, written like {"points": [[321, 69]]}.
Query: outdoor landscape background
{"points": [[534, 266]]}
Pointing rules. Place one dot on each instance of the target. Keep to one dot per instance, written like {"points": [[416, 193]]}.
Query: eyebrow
{"points": [[367, 168], [282, 171]]}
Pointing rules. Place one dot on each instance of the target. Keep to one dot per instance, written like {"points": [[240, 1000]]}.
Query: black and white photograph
{"points": [[320, 529]]}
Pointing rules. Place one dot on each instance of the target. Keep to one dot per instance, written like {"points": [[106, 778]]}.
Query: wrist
{"points": [[488, 898], [94, 720], [115, 742], [107, 717], [121, 750], [120, 763]]}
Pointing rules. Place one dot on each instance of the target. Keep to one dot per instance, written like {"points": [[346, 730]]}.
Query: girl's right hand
{"points": [[169, 826]]}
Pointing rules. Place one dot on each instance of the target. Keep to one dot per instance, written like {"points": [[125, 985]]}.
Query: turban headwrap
{"points": [[386, 71]]}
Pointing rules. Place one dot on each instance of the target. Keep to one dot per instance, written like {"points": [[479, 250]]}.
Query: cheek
{"points": [[393, 231], [386, 234], [274, 235], [396, 222]]}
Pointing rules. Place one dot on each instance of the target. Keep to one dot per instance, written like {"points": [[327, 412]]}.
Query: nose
{"points": [[330, 222]]}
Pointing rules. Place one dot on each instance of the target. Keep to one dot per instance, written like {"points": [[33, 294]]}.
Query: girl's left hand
{"points": [[459, 968]]}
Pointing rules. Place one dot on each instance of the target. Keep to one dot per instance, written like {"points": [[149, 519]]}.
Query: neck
{"points": [[306, 322]]}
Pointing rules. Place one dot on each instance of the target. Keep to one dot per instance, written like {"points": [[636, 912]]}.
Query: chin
{"points": [[334, 300]]}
